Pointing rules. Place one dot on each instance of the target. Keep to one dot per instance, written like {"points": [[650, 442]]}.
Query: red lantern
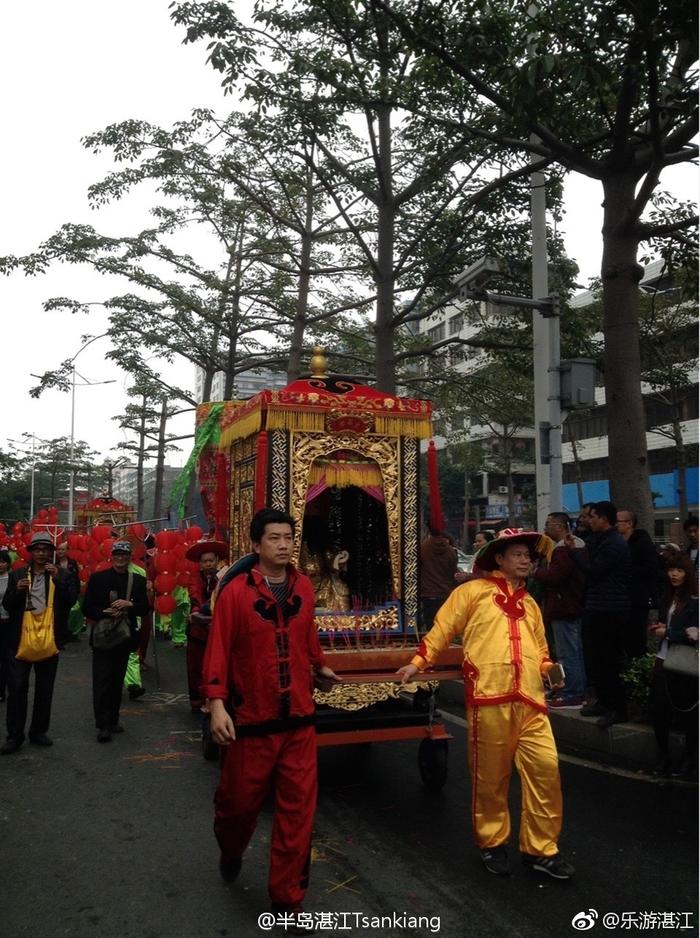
{"points": [[17, 527], [184, 579], [165, 605], [137, 531], [165, 562], [17, 564], [24, 554], [193, 533], [166, 540], [42, 515], [100, 532], [84, 575], [106, 547], [73, 541], [139, 552], [103, 565], [165, 582]]}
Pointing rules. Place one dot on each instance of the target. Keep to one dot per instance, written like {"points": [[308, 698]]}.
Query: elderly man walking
{"points": [[505, 662], [113, 593], [33, 593]]}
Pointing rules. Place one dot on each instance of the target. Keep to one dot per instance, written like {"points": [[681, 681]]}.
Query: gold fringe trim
{"points": [[240, 428], [420, 427], [286, 418], [339, 475], [358, 696]]}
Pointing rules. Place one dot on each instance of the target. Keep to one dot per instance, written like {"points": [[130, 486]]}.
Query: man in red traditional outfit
{"points": [[505, 662], [259, 666]]}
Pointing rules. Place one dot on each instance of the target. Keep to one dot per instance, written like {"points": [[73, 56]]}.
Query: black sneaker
{"points": [[12, 745], [103, 736], [117, 728], [135, 691], [40, 739], [495, 859], [554, 866], [230, 869]]}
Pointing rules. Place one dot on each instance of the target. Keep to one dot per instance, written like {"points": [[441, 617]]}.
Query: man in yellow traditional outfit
{"points": [[505, 662]]}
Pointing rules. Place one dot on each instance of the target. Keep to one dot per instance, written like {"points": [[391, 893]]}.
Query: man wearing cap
{"points": [[208, 554], [106, 596], [42, 584], [505, 662]]}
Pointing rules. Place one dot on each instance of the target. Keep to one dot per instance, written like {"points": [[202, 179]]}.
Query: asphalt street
{"points": [[116, 839]]}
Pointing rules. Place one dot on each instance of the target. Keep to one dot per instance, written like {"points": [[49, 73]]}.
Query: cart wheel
{"points": [[432, 763], [210, 749]]}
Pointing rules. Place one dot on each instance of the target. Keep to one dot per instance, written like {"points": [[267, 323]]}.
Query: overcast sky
{"points": [[69, 68]]}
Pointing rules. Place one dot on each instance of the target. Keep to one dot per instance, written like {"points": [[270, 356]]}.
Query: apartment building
{"points": [[585, 442]]}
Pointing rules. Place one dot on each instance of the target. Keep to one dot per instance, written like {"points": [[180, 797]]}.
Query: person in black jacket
{"points": [[607, 606], [31, 583], [72, 574], [643, 569], [106, 596], [676, 695]]}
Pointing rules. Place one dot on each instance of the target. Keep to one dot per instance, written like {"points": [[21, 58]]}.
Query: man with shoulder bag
{"points": [[114, 599], [30, 599]]}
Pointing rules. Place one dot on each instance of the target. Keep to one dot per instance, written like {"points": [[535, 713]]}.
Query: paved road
{"points": [[115, 840]]}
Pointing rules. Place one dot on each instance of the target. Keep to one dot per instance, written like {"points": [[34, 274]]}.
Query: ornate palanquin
{"points": [[342, 459], [104, 510]]}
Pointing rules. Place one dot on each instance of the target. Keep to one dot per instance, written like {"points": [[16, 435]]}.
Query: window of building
{"points": [[437, 333], [456, 323]]}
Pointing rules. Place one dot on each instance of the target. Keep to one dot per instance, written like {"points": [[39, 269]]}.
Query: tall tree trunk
{"points": [[300, 315], [141, 459], [160, 462], [628, 467], [234, 302], [384, 278], [207, 383]]}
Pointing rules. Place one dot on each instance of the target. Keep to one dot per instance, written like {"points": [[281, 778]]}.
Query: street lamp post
{"points": [[72, 435], [31, 485]]}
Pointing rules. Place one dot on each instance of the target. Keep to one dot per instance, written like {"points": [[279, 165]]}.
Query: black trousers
{"points": [[4, 657], [108, 671], [673, 700], [634, 639], [18, 673], [604, 657]]}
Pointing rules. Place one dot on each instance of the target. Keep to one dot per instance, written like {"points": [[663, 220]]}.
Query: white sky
{"points": [[72, 67]]}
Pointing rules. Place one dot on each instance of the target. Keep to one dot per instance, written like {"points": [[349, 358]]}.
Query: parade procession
{"points": [[349, 483]]}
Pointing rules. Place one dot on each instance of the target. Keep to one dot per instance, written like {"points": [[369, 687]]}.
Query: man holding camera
{"points": [[505, 662]]}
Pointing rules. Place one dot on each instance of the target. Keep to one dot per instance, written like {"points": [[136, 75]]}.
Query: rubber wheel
{"points": [[432, 763], [210, 749]]}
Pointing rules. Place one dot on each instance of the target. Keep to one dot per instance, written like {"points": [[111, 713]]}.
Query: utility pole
{"points": [[546, 355]]}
